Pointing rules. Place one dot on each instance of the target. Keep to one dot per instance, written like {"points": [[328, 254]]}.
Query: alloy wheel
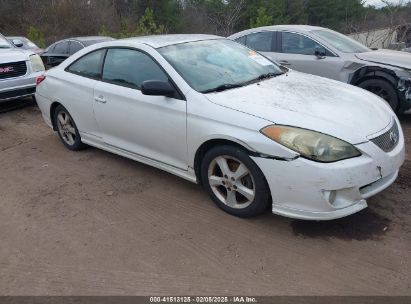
{"points": [[66, 128], [231, 182]]}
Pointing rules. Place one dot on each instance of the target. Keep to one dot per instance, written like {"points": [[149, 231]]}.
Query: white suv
{"points": [[18, 71]]}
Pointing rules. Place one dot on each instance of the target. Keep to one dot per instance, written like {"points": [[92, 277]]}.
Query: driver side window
{"points": [[130, 68], [293, 43]]}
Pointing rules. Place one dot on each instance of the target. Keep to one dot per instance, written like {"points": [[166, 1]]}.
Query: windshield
{"points": [[341, 42], [216, 65], [4, 44], [26, 43]]}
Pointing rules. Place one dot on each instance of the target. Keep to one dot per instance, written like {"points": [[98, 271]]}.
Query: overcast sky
{"points": [[380, 3]]}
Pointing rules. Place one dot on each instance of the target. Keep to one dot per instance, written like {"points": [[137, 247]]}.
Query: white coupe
{"points": [[215, 112]]}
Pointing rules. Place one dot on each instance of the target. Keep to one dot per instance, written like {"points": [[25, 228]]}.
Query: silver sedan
{"points": [[327, 53]]}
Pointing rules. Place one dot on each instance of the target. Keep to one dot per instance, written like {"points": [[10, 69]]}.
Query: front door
{"points": [[149, 126], [298, 52]]}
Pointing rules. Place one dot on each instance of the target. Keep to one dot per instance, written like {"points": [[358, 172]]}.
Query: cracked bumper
{"points": [[308, 190]]}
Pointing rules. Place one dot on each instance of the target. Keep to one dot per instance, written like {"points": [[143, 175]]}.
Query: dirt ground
{"points": [[93, 223]]}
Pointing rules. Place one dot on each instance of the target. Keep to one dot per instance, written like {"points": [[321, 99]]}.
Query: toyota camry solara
{"points": [[212, 111]]}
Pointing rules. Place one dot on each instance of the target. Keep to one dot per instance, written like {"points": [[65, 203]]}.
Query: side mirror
{"points": [[17, 42], [320, 52], [157, 88]]}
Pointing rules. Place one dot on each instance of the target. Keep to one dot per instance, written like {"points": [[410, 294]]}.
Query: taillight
{"points": [[40, 79]]}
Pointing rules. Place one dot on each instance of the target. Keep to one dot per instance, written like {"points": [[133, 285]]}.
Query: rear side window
{"points": [[130, 68], [88, 65], [261, 42], [241, 40], [61, 48]]}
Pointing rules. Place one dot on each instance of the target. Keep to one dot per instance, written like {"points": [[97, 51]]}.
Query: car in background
{"points": [[323, 52], [25, 44], [63, 49], [212, 111], [19, 70]]}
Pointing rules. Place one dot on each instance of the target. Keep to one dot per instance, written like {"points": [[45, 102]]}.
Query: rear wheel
{"points": [[67, 129], [383, 89], [234, 182]]}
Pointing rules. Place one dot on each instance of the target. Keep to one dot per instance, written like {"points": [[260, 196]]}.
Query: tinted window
{"points": [[75, 47], [131, 68], [61, 48], [4, 43], [241, 40], [298, 44], [88, 65], [261, 42]]}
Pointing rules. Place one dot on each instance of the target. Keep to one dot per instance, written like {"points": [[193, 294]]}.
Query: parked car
{"points": [[19, 70], [61, 50], [327, 53], [25, 44], [215, 112]]}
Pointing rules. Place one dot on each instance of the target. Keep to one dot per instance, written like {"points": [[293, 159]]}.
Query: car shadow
{"points": [[365, 225], [16, 104]]}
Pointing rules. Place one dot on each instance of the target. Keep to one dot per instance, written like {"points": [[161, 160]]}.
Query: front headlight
{"points": [[36, 63], [310, 144]]}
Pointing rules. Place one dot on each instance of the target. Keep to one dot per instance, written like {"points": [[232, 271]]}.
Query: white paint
{"points": [[167, 132]]}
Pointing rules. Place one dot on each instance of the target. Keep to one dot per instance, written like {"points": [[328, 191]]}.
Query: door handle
{"points": [[100, 99], [284, 62]]}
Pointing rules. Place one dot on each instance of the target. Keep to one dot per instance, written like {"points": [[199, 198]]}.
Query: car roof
{"points": [[158, 41], [290, 27], [90, 38], [16, 37]]}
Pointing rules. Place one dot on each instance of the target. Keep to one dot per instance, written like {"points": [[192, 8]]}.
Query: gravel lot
{"points": [[92, 223]]}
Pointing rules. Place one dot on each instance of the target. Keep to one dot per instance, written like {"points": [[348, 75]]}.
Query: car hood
{"points": [[311, 102], [13, 55], [388, 57]]}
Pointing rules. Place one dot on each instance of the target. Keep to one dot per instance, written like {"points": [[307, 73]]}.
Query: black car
{"points": [[61, 50]]}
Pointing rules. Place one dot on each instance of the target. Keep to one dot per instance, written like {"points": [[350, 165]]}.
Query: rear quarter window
{"points": [[89, 65]]}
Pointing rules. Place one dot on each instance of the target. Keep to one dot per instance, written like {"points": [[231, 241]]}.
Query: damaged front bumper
{"points": [[309, 190]]}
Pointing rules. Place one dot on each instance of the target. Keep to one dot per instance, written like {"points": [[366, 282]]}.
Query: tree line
{"points": [[46, 21]]}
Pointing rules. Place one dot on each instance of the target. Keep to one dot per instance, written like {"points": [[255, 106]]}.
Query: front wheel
{"points": [[234, 182], [383, 89]]}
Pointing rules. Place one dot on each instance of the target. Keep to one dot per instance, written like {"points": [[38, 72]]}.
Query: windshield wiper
{"points": [[263, 77], [223, 87], [267, 75]]}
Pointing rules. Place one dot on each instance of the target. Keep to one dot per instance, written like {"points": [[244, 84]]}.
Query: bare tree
{"points": [[226, 16]]}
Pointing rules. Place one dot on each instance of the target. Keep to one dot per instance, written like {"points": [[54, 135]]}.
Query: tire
{"points": [[67, 129], [245, 195], [383, 89]]}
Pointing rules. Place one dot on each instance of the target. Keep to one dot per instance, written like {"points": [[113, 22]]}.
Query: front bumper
{"points": [[308, 190], [18, 87]]}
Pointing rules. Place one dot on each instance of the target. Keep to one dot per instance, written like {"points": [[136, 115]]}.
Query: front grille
{"points": [[13, 69], [389, 140]]}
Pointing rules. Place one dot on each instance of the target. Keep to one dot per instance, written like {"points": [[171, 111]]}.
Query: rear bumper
{"points": [[18, 87]]}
